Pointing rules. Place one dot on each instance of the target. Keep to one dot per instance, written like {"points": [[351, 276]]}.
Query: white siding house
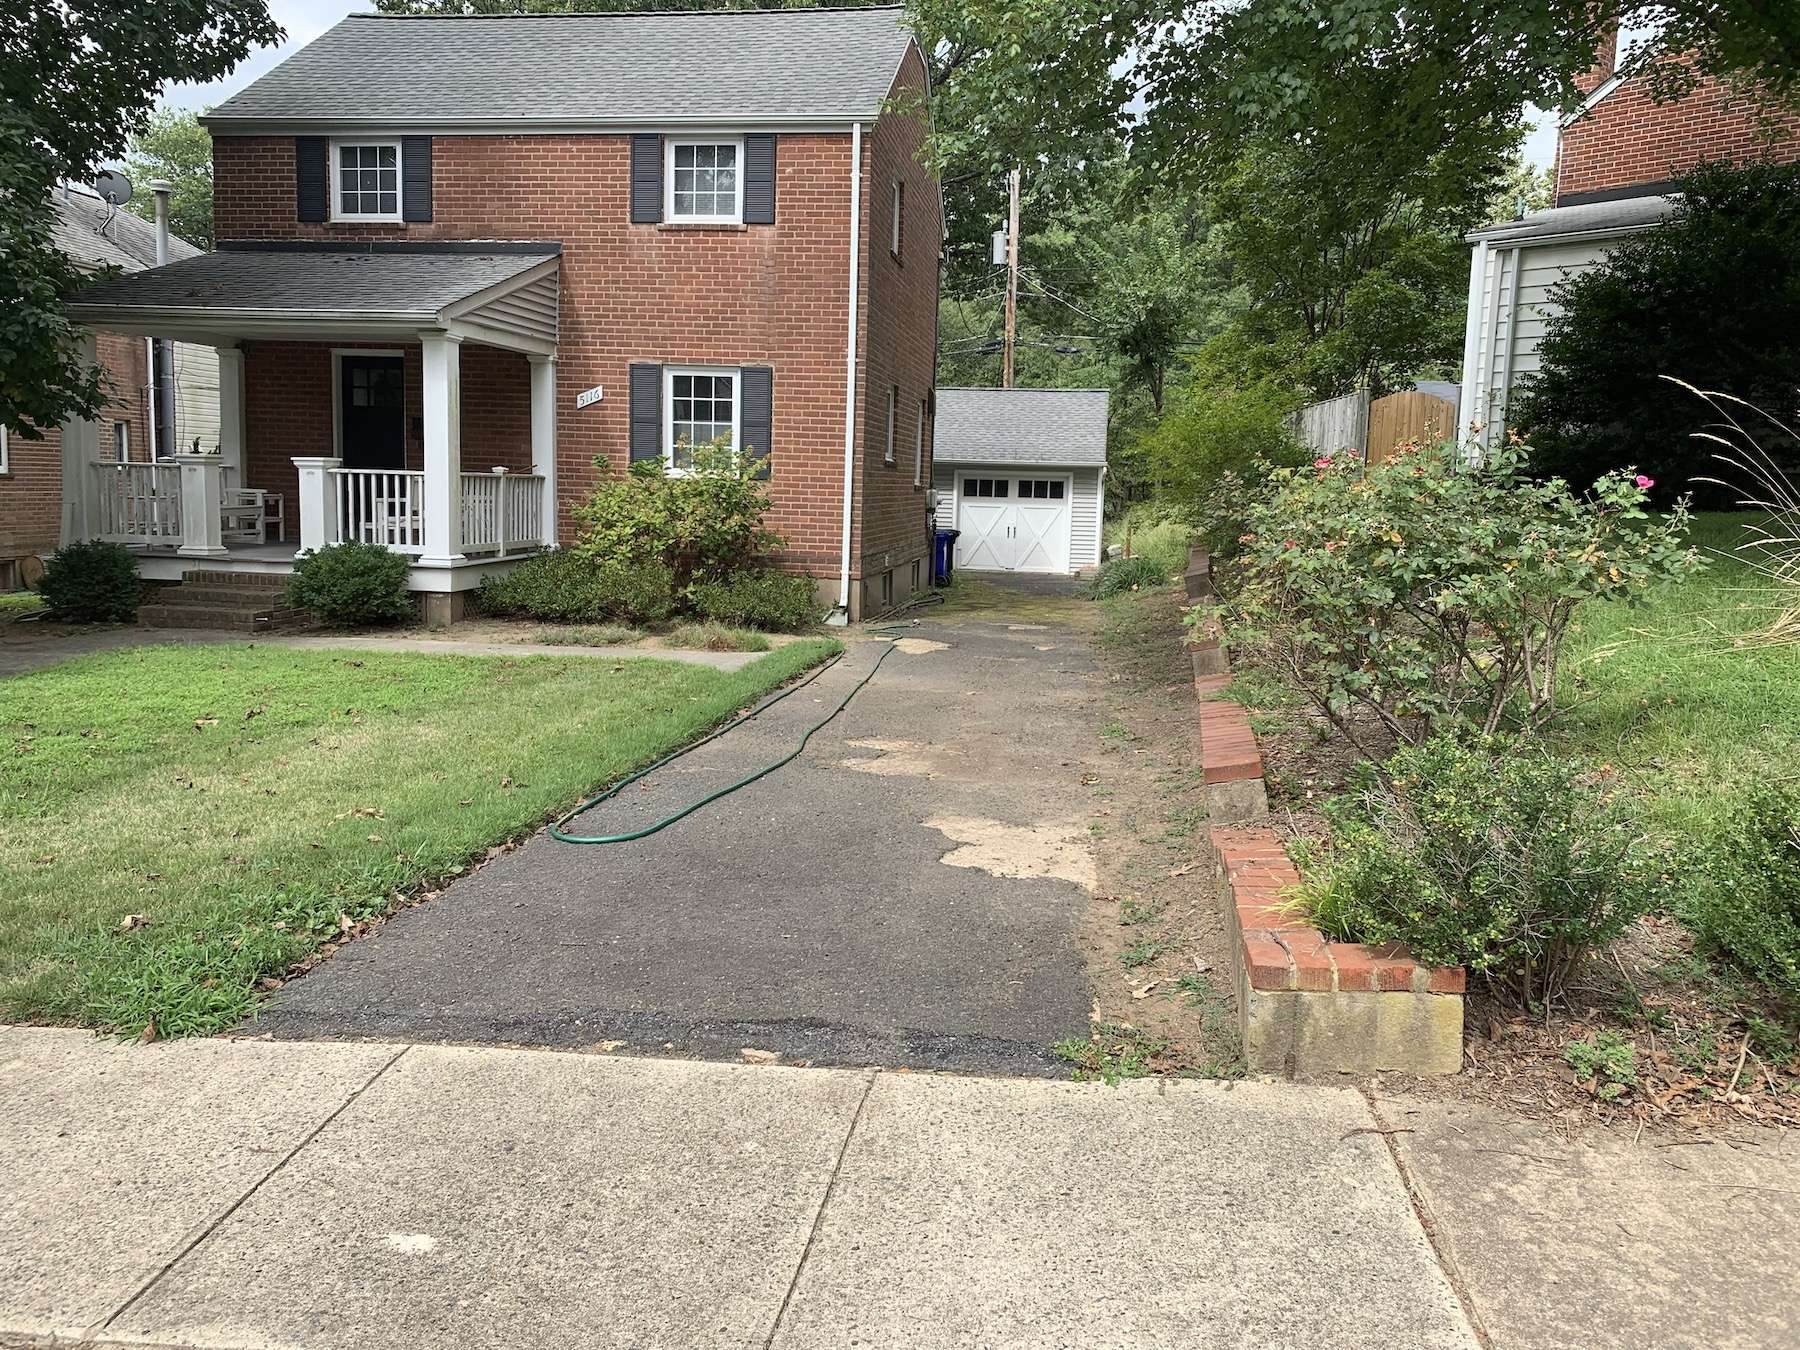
{"points": [[1021, 475], [1512, 269]]}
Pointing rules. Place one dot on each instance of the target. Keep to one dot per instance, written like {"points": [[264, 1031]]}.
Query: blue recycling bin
{"points": [[943, 561]]}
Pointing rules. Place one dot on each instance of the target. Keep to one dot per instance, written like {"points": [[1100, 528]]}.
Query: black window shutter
{"points": [[309, 178], [756, 416], [415, 178], [646, 412], [759, 179], [646, 179]]}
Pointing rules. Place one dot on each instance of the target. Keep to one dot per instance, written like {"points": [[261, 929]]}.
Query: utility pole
{"points": [[1012, 278]]}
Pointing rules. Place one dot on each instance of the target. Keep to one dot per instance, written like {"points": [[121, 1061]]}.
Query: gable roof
{"points": [[739, 67], [1021, 426], [85, 229]]}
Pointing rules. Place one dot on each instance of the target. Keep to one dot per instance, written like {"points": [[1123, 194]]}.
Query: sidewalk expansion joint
{"points": [[1427, 1222], [818, 1222], [211, 1227]]}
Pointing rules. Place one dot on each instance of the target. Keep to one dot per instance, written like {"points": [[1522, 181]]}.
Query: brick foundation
{"points": [[1305, 1004]]}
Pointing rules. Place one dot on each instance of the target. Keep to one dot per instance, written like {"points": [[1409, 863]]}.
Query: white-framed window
{"points": [[896, 214], [5, 453], [919, 448], [121, 441], [700, 405], [365, 180], [705, 182], [887, 454]]}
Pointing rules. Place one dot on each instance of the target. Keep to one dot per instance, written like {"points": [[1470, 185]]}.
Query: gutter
{"points": [[841, 615]]}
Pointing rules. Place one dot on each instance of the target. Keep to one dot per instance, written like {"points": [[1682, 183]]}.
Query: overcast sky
{"points": [[304, 20]]}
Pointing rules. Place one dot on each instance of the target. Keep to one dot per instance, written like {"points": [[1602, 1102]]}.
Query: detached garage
{"points": [[1021, 473]]}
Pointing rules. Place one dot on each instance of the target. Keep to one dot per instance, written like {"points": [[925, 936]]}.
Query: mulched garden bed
{"points": [[1706, 1053]]}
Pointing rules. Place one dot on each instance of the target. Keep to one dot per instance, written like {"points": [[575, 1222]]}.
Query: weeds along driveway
{"points": [[908, 892]]}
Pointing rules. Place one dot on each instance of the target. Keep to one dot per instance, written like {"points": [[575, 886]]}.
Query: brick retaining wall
{"points": [[1305, 1004]]}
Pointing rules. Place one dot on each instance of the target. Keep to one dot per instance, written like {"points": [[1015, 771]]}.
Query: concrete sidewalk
{"points": [[261, 1194]]}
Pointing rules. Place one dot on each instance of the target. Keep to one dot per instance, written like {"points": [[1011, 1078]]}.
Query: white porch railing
{"points": [[137, 503], [502, 513], [380, 506]]}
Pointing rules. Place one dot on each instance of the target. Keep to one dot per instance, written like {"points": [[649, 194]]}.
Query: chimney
{"points": [[160, 188]]}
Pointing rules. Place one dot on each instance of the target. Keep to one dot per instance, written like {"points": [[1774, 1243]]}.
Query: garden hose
{"points": [[557, 831]]}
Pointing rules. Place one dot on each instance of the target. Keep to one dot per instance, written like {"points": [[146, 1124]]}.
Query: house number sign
{"points": [[587, 396]]}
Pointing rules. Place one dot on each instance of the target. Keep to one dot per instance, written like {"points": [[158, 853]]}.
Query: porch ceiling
{"points": [[507, 298]]}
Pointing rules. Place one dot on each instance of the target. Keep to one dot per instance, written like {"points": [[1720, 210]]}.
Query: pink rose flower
{"points": [[1645, 481], [1322, 462]]}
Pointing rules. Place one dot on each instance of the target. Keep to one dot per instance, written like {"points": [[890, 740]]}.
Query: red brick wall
{"points": [[899, 323], [1628, 139], [748, 295], [288, 408], [31, 488]]}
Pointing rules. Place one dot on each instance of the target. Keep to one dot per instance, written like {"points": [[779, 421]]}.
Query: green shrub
{"points": [[1744, 903], [1422, 595], [759, 598], [352, 585], [1128, 574], [1498, 857], [1671, 301], [91, 582], [567, 587], [716, 637], [702, 524]]}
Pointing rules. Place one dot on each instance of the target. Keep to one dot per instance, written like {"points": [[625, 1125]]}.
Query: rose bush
{"points": [[1428, 595]]}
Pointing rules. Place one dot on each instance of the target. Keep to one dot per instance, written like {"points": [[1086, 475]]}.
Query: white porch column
{"points": [[318, 503], [443, 449], [231, 412], [80, 448], [543, 435], [202, 494]]}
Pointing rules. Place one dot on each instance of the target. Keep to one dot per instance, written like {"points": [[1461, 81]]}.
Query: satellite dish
{"points": [[112, 187]]}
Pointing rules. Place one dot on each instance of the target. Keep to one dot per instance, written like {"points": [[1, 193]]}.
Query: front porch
{"points": [[344, 423]]}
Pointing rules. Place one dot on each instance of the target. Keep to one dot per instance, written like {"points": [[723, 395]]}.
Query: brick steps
{"points": [[247, 602]]}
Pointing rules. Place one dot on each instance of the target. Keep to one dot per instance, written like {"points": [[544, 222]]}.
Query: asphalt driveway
{"points": [[908, 892]]}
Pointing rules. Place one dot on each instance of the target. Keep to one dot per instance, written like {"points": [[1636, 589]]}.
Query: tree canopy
{"points": [[174, 146], [75, 82], [1188, 81]]}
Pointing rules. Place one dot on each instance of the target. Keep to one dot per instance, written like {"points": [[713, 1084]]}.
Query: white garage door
{"points": [[1013, 524]]}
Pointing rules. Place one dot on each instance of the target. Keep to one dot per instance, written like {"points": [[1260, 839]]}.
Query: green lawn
{"points": [[1671, 693], [19, 602], [182, 822]]}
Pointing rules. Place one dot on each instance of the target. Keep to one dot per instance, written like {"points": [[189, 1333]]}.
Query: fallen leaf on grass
{"points": [[131, 921], [46, 860], [1145, 991], [257, 711], [201, 723], [148, 1034]]}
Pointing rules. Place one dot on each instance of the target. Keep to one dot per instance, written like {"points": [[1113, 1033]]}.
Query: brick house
{"points": [[1618, 156], [131, 428], [461, 260]]}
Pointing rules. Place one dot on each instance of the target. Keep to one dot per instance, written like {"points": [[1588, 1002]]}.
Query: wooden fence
{"points": [[1373, 429]]}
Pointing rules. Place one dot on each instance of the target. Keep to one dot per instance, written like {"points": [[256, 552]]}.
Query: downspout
{"points": [[842, 614]]}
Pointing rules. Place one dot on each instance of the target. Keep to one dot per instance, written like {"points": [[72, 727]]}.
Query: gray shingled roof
{"points": [[372, 283], [82, 229], [1020, 426], [1629, 213], [774, 66]]}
